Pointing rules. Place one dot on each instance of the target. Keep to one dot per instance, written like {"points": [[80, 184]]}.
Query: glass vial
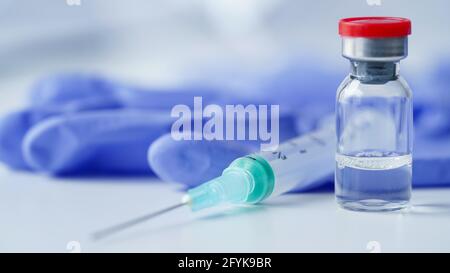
{"points": [[374, 124]]}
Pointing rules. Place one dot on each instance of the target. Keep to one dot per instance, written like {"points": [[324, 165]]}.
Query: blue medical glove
{"points": [[12, 129], [303, 83], [437, 118], [112, 142], [76, 92], [62, 90], [57, 101], [431, 165], [191, 162], [52, 96]]}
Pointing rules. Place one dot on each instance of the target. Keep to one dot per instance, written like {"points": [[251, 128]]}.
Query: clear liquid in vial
{"points": [[373, 181]]}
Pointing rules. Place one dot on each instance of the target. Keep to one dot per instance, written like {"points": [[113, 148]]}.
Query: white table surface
{"points": [[42, 214]]}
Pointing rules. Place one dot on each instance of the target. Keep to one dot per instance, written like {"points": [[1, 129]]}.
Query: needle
{"points": [[116, 228]]}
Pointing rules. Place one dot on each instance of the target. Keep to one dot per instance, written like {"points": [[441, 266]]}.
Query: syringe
{"points": [[256, 177]]}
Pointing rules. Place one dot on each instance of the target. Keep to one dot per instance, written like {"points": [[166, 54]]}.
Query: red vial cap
{"points": [[375, 27]]}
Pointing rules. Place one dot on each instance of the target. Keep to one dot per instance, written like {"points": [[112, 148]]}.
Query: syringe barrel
{"points": [[299, 162], [303, 162]]}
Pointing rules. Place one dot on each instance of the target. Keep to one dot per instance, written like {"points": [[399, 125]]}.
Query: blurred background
{"points": [[171, 42], [229, 44]]}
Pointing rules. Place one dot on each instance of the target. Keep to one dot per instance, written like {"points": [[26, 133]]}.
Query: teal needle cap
{"points": [[262, 174], [248, 179]]}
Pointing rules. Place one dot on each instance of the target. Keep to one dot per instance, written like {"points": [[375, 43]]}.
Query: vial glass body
{"points": [[374, 128]]}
